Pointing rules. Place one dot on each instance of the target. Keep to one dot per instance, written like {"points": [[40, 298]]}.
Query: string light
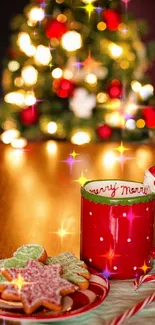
{"points": [[42, 55], [29, 50], [29, 75], [36, 14], [114, 119], [81, 137], [146, 91], [19, 143], [71, 41], [91, 79], [23, 41], [136, 86], [15, 97], [30, 98], [115, 50], [57, 73], [102, 97], [8, 136], [13, 66], [52, 127]]}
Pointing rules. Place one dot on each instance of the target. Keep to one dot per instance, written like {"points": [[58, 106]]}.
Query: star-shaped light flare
{"points": [[63, 232], [71, 161], [121, 148], [145, 268], [82, 179], [19, 283], [89, 8]]}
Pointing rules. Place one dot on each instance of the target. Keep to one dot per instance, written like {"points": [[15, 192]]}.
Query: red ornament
{"points": [[104, 131], [112, 19], [149, 115], [55, 29], [115, 89], [152, 170], [29, 115], [64, 88]]}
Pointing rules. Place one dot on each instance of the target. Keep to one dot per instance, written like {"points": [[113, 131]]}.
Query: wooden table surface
{"points": [[39, 197]]}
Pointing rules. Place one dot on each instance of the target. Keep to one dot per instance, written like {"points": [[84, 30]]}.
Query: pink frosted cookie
{"points": [[36, 285]]}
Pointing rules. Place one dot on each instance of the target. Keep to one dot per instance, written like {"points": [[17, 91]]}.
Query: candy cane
{"points": [[132, 311], [143, 279]]}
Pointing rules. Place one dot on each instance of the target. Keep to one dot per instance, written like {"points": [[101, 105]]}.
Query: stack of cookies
{"points": [[36, 280]]}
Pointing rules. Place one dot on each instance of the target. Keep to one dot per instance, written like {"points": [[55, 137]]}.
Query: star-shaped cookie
{"points": [[36, 285], [74, 270]]}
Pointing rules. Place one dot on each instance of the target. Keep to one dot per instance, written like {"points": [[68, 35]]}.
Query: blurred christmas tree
{"points": [[76, 70]]}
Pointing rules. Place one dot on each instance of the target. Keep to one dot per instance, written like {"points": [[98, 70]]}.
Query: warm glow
{"points": [[136, 86], [36, 14], [23, 41], [114, 119], [115, 50], [71, 41], [146, 91], [51, 147], [30, 50], [91, 79], [19, 143], [81, 137], [13, 66], [131, 108], [42, 55], [29, 75], [18, 82], [16, 97], [140, 123], [102, 97], [52, 127], [8, 136], [101, 26], [30, 98], [109, 159], [144, 157], [57, 73]]}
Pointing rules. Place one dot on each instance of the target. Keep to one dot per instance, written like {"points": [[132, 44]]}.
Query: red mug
{"points": [[117, 221]]}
